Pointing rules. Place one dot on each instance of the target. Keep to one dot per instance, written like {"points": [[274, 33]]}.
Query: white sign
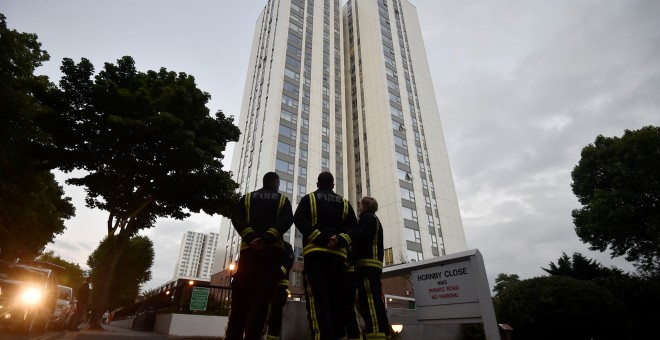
{"points": [[447, 284]]}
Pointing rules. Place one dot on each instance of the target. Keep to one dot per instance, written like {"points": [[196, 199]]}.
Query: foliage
{"points": [[73, 276], [617, 181], [503, 281], [641, 295], [148, 145], [559, 307], [135, 269], [581, 268], [32, 205]]}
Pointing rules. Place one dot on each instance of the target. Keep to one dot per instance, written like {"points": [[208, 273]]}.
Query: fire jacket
{"points": [[369, 247], [264, 214], [322, 214]]}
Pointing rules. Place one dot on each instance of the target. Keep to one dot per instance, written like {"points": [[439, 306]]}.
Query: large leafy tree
{"points": [[504, 281], [32, 205], [135, 264], [617, 181], [148, 146], [72, 276], [560, 307], [581, 268]]}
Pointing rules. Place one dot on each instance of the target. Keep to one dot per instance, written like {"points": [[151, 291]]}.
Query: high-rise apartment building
{"points": [[196, 255], [348, 91]]}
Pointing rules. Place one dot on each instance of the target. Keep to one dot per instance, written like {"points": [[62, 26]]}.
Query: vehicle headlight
{"points": [[31, 296]]}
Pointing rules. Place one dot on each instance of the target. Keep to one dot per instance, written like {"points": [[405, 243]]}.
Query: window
{"points": [[434, 241], [388, 259], [325, 131], [325, 162], [395, 111], [305, 122], [286, 149], [395, 98], [290, 87], [289, 101], [400, 142], [288, 116], [430, 218], [398, 126], [325, 146], [407, 194], [427, 201], [291, 74], [302, 172], [284, 166], [401, 158], [411, 235], [302, 190], [287, 132], [304, 138], [409, 214], [303, 155], [286, 186], [404, 175], [414, 256]]}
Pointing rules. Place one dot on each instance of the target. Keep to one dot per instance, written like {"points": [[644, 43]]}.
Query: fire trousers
{"points": [[372, 307], [323, 275]]}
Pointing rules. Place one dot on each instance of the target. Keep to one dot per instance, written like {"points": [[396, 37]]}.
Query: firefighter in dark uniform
{"points": [[368, 269], [328, 225], [261, 218], [281, 295]]}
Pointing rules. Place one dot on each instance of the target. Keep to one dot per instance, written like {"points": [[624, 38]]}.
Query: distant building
{"points": [[196, 255], [347, 90]]}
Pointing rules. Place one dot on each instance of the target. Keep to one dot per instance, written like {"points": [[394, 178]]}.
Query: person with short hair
{"points": [[328, 225], [368, 269], [261, 218]]}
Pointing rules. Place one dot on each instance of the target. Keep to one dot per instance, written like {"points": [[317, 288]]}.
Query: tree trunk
{"points": [[99, 306]]}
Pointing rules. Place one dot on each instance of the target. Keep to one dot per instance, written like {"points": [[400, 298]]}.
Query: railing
{"points": [[177, 300]]}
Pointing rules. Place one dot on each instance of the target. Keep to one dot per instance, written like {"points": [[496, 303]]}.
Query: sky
{"points": [[522, 87]]}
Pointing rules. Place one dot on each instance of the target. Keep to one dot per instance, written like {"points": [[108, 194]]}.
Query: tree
{"points": [[581, 268], [560, 307], [73, 276], [617, 181], [504, 281], [32, 204], [148, 146], [135, 264]]}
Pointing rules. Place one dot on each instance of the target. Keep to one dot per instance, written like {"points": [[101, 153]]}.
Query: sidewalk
{"points": [[115, 331]]}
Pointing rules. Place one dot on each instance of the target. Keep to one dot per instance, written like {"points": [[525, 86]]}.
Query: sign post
{"points": [[199, 298], [450, 288]]}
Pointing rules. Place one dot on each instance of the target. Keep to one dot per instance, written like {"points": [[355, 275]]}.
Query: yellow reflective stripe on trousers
{"points": [[313, 248], [312, 312], [312, 203], [371, 307], [356, 313], [246, 231], [376, 336], [313, 235], [369, 263], [247, 207]]}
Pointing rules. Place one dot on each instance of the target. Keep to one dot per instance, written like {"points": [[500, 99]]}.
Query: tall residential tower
{"points": [[348, 91], [196, 255]]}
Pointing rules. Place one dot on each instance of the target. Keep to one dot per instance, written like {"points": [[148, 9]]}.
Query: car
{"points": [[64, 308], [28, 292]]}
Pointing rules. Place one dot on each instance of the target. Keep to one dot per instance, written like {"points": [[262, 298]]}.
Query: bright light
{"points": [[390, 299], [397, 328], [31, 296], [232, 266], [191, 282], [167, 292]]}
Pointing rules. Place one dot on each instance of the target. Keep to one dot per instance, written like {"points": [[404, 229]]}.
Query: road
{"points": [[110, 332]]}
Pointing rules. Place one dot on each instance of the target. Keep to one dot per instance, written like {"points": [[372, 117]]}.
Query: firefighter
{"points": [[261, 218], [281, 295], [328, 224], [368, 269]]}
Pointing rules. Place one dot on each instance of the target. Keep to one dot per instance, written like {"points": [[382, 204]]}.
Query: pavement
{"points": [[111, 331]]}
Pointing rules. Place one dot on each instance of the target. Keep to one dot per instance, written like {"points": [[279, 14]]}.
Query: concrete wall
{"points": [[294, 325]]}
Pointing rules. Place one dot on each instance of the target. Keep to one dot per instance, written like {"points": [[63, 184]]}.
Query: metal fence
{"points": [[177, 300]]}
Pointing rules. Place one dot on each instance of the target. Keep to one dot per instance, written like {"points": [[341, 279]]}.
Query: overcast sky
{"points": [[522, 87]]}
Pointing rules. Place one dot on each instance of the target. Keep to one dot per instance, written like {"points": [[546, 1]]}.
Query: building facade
{"points": [[196, 255], [348, 90]]}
